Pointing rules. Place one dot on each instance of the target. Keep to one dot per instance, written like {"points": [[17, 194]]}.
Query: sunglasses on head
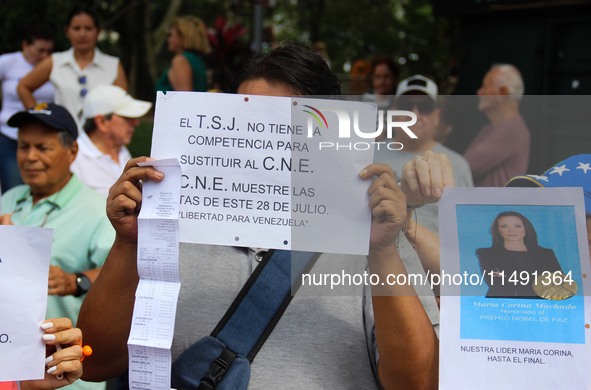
{"points": [[82, 82], [423, 106]]}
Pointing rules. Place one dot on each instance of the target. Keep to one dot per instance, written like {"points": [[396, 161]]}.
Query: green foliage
{"points": [[17, 15], [141, 143], [403, 29]]}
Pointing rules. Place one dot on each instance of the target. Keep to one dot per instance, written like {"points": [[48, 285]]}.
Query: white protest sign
{"points": [[273, 172], [514, 316], [24, 269]]}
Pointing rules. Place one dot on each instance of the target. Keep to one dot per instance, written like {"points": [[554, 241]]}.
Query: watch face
{"points": [[83, 282]]}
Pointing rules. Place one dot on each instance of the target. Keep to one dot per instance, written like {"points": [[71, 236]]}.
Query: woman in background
{"points": [[187, 39], [384, 79], [37, 44], [75, 71]]}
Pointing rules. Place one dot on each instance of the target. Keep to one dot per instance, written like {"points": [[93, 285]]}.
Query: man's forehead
{"points": [[42, 42], [494, 74], [38, 128], [382, 69], [265, 88]]}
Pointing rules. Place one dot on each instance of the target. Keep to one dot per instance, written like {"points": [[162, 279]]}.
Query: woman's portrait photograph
{"points": [[528, 263], [516, 266]]}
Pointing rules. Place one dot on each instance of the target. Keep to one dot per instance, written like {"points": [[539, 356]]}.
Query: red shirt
{"points": [[499, 152]]}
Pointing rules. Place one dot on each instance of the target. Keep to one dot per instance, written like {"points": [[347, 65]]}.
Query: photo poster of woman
{"points": [[520, 296], [509, 301]]}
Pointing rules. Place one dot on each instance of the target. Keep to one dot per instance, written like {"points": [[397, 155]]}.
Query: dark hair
{"points": [[81, 9], [531, 237], [89, 125], [390, 63], [37, 31], [65, 138], [296, 66]]}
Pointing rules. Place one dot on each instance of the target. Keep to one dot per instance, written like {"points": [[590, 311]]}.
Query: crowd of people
{"points": [[35, 74], [65, 124]]}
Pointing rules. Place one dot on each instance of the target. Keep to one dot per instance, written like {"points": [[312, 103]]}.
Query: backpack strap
{"points": [[252, 316], [265, 296]]}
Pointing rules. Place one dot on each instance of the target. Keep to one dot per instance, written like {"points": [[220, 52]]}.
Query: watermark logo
{"points": [[316, 114], [349, 126]]}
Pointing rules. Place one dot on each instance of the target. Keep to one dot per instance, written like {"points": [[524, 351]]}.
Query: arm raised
{"points": [[406, 341], [105, 316]]}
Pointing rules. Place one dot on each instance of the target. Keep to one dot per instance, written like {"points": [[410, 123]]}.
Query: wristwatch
{"points": [[82, 284]]}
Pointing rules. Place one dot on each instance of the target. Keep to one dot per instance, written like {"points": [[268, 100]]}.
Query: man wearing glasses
{"points": [[54, 198], [419, 95], [111, 118]]}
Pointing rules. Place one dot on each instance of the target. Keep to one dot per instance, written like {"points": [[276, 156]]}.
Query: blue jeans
{"points": [[9, 172]]}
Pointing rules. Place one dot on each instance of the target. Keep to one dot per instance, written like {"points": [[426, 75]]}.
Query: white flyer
{"points": [[273, 172], [24, 267], [515, 305], [154, 311]]}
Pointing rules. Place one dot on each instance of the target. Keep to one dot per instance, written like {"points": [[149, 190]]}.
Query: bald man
{"points": [[500, 151]]}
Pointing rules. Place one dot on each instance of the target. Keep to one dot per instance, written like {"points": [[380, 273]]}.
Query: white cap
{"points": [[111, 99], [417, 83]]}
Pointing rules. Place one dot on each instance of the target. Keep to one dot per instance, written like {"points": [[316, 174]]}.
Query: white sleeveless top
{"points": [[13, 67], [72, 83]]}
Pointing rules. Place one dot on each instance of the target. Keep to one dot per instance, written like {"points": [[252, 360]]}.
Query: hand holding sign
{"points": [[125, 198], [425, 177], [64, 365], [387, 204], [268, 171]]}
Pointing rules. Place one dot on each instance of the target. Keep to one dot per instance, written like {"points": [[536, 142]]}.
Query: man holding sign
{"points": [[321, 341], [54, 198]]}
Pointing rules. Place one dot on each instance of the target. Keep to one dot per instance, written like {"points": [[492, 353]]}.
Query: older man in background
{"points": [[54, 198], [111, 118], [500, 150]]}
